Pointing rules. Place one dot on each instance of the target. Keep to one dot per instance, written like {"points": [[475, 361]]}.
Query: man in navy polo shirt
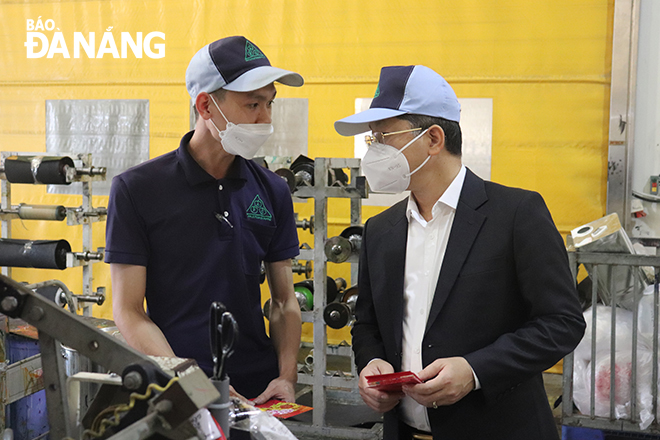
{"points": [[193, 226]]}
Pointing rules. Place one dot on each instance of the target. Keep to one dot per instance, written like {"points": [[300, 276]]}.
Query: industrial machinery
{"points": [[142, 395], [623, 284], [301, 173], [148, 396], [304, 291], [341, 313], [344, 246]]}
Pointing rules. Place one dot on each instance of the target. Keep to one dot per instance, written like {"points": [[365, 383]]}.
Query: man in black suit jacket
{"points": [[465, 283]]}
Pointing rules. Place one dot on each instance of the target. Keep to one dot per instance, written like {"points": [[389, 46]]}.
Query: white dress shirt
{"points": [[425, 250]]}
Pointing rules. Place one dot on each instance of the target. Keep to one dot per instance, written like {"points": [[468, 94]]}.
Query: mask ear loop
{"points": [[409, 144], [229, 124], [418, 168]]}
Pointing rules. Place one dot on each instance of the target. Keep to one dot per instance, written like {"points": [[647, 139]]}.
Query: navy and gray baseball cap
{"points": [[401, 90], [236, 64]]}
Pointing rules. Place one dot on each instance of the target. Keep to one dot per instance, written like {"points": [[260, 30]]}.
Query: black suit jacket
{"points": [[505, 300]]}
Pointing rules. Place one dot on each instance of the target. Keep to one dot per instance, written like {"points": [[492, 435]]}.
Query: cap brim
{"points": [[262, 76], [359, 122]]}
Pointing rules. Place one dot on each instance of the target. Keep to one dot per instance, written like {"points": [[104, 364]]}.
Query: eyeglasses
{"points": [[380, 137]]}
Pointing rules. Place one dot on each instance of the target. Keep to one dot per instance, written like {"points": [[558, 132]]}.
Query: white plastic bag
{"points": [[623, 327], [622, 368]]}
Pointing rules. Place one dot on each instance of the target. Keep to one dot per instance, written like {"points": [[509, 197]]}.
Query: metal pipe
{"points": [[654, 380], [613, 389], [592, 365], [633, 377]]}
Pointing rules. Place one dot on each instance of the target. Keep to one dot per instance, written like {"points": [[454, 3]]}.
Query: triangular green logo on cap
{"points": [[252, 52], [258, 210], [377, 91]]}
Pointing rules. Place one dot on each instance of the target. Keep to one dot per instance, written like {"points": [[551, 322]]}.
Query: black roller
{"points": [[305, 166], [40, 254], [38, 170], [288, 177], [49, 292], [331, 287], [348, 293], [337, 315], [352, 231]]}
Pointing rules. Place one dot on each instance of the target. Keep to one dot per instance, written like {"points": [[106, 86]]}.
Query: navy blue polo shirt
{"points": [[203, 240]]}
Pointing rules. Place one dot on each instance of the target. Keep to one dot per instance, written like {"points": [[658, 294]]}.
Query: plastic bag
{"points": [[622, 368], [645, 314], [623, 327], [260, 424]]}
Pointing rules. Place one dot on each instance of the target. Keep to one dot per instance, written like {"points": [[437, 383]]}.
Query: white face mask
{"points": [[242, 139], [387, 169]]}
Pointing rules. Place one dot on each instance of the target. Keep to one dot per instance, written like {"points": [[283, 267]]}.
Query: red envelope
{"points": [[283, 410], [392, 381]]}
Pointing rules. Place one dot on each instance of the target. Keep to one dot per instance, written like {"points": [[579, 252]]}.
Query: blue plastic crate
{"points": [[27, 417], [578, 433], [618, 435]]}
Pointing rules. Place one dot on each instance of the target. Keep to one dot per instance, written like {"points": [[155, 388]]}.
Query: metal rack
{"points": [[84, 215], [23, 378], [589, 419], [318, 379]]}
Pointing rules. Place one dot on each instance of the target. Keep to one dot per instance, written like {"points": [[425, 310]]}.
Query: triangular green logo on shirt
{"points": [[252, 52], [377, 91], [258, 210]]}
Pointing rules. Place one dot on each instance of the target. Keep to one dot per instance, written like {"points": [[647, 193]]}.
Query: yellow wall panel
{"points": [[545, 64]]}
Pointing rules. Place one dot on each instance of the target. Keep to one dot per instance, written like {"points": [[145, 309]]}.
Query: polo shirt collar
{"points": [[196, 175]]}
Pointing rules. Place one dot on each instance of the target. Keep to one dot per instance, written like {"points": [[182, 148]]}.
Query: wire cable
{"points": [[99, 424], [646, 197]]}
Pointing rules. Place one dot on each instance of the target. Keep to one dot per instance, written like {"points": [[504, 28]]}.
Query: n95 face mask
{"points": [[242, 139], [387, 169]]}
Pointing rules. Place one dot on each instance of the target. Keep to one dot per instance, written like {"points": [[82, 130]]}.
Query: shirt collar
{"points": [[449, 198], [196, 175]]}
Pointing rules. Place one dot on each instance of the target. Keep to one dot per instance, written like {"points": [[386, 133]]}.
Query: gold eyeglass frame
{"points": [[373, 137]]}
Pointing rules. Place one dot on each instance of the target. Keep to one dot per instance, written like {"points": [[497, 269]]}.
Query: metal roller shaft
{"points": [[91, 171], [306, 224], [302, 269], [88, 256]]}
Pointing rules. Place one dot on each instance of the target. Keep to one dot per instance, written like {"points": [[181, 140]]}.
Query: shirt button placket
{"points": [[223, 203]]}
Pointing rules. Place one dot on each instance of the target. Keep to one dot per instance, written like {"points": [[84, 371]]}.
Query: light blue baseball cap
{"points": [[402, 90]]}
